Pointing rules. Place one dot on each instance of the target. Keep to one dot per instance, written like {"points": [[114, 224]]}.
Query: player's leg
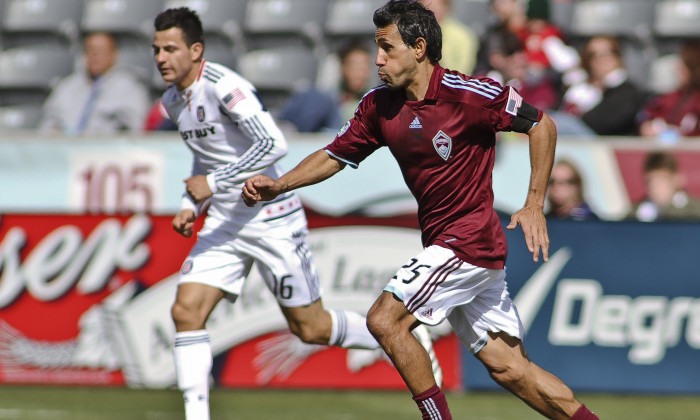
{"points": [[422, 291], [347, 329], [286, 263], [391, 323], [208, 274], [506, 361], [490, 327], [192, 350]]}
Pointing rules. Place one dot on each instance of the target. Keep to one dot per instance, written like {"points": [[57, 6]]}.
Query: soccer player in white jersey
{"points": [[232, 137]]}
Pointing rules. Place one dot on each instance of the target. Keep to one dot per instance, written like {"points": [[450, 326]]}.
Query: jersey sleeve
{"points": [[238, 101], [504, 108], [359, 137]]}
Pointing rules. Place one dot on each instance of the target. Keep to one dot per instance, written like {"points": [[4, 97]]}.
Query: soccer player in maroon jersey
{"points": [[440, 126]]}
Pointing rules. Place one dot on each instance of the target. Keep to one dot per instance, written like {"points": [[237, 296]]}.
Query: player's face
{"points": [[176, 62], [396, 60]]}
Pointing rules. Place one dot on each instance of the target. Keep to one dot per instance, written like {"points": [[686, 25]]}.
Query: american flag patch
{"points": [[233, 97], [514, 102]]}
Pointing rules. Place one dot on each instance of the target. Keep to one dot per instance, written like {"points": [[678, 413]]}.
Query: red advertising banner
{"points": [[84, 299]]}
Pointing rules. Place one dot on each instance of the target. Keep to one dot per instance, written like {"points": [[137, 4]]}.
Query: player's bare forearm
{"points": [[315, 168], [543, 139], [198, 188]]}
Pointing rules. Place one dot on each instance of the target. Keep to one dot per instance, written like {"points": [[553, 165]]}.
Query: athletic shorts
{"points": [[223, 260], [436, 284]]}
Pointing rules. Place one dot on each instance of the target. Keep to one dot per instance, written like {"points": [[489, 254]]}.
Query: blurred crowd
{"points": [[590, 86]]}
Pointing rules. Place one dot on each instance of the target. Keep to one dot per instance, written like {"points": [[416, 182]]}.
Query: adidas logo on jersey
{"points": [[415, 124], [428, 313]]}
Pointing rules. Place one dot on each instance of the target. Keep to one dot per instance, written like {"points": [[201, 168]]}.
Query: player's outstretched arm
{"points": [[315, 168], [543, 139]]}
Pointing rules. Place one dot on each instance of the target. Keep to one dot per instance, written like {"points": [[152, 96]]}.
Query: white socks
{"points": [[193, 361], [349, 331]]}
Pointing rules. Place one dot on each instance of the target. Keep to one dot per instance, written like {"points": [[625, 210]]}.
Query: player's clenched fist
{"points": [[260, 188], [183, 222]]}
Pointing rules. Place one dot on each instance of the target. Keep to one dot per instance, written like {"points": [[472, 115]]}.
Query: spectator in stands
{"points": [[607, 103], [565, 194], [665, 197], [101, 98], [314, 110], [508, 16], [510, 66], [677, 114], [459, 43]]}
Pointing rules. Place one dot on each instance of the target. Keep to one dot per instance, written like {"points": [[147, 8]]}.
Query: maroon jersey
{"points": [[444, 146], [679, 108]]}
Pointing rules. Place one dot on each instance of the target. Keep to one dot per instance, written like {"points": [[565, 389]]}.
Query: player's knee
{"points": [[378, 323], [510, 376], [186, 316], [309, 333]]}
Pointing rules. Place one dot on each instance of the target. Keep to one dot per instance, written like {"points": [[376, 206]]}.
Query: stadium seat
{"points": [[20, 117], [32, 21], [677, 18], [138, 59], [284, 22], [474, 13], [127, 18], [277, 72], [36, 67], [629, 18], [352, 17], [561, 12], [220, 18]]}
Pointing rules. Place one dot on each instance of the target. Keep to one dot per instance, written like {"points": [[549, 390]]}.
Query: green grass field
{"points": [[77, 403]]}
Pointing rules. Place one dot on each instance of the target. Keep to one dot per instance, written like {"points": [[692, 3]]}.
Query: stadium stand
{"points": [[277, 72], [20, 117], [677, 18], [124, 18], [474, 13], [28, 73], [351, 17], [275, 23], [41, 21], [246, 34], [222, 19], [631, 18]]}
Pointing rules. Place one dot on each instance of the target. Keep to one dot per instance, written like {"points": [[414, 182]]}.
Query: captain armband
{"points": [[525, 119]]}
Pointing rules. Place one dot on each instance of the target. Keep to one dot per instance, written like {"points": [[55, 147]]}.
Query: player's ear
{"points": [[196, 51], [420, 48]]}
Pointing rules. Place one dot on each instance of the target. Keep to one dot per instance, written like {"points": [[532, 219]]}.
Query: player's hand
{"points": [[260, 188], [183, 222], [198, 188], [531, 220]]}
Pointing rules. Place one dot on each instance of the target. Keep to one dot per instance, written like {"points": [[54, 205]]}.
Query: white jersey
{"points": [[232, 137]]}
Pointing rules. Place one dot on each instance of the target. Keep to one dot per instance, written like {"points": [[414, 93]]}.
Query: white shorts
{"points": [[223, 260], [436, 284]]}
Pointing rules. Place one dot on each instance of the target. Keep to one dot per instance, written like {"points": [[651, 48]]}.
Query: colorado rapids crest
{"points": [[443, 144]]}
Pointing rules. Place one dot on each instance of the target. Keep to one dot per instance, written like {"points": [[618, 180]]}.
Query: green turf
{"points": [[76, 403]]}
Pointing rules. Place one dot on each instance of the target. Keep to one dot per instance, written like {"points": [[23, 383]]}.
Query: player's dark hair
{"points": [[183, 18], [413, 21]]}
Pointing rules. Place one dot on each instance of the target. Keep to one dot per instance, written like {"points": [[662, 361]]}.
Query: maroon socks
{"points": [[433, 405], [584, 414]]}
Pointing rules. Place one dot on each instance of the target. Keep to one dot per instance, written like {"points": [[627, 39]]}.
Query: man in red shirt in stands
{"points": [[440, 126]]}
